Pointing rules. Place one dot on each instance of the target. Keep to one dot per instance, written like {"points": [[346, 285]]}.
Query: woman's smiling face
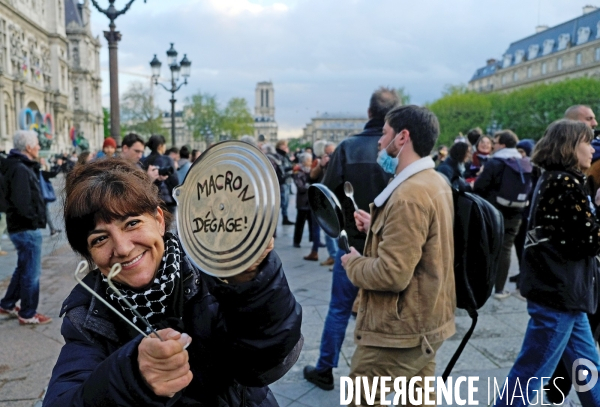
{"points": [[135, 241]]}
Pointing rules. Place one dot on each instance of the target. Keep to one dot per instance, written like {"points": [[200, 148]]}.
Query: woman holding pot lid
{"points": [[221, 341]]}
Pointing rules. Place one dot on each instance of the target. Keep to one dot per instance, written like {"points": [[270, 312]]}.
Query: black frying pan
{"points": [[328, 212]]}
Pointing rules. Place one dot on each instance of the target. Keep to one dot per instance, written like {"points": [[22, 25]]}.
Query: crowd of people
{"points": [[400, 281], [222, 341]]}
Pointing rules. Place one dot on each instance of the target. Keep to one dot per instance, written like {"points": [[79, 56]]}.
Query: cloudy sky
{"points": [[322, 55]]}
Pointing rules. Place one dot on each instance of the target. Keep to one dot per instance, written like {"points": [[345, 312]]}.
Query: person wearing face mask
{"points": [[406, 279]]}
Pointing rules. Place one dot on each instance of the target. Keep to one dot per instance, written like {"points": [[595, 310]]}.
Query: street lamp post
{"points": [[182, 68], [113, 38]]}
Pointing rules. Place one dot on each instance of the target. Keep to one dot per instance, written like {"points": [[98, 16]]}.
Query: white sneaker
{"points": [[517, 295], [502, 295]]}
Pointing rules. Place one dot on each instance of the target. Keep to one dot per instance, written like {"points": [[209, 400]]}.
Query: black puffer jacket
{"points": [[26, 206], [355, 160], [451, 171], [302, 181], [552, 272], [244, 337]]}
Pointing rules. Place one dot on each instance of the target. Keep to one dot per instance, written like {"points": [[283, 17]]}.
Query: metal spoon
{"points": [[349, 191]]}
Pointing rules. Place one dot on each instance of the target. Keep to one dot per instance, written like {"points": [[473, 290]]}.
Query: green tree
{"points": [[139, 113], [460, 112], [237, 119], [297, 143], [106, 122], [527, 111], [205, 117]]}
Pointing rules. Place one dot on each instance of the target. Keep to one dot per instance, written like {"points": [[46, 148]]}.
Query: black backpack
{"points": [[516, 183], [478, 235]]}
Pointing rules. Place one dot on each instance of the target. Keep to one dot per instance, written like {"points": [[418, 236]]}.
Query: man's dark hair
{"points": [[507, 138], [172, 150], [458, 152], [131, 139], [474, 135], [420, 122], [184, 152], [382, 101], [155, 141]]}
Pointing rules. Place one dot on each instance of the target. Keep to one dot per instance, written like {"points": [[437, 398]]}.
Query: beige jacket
{"points": [[406, 276]]}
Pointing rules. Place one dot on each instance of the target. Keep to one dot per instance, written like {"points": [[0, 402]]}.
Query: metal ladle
{"points": [[349, 191]]}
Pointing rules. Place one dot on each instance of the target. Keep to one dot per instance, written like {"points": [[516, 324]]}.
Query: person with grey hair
{"points": [[25, 216], [249, 139]]}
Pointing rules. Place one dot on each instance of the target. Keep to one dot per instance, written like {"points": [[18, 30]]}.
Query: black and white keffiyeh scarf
{"points": [[162, 298]]}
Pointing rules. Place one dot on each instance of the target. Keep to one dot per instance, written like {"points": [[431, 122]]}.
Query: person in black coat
{"points": [[25, 216], [222, 341], [301, 176], [559, 268], [453, 167]]}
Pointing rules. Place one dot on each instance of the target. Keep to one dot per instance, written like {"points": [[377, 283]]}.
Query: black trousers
{"points": [[302, 217]]}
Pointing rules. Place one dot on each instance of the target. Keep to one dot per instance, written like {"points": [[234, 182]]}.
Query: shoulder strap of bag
{"points": [[474, 316]]}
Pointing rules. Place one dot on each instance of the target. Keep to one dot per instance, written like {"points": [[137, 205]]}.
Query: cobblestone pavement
{"points": [[28, 354]]}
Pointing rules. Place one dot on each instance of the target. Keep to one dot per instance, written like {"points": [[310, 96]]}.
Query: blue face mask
{"points": [[389, 164]]}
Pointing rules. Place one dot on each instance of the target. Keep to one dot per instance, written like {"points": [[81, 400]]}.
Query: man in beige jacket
{"points": [[406, 279]]}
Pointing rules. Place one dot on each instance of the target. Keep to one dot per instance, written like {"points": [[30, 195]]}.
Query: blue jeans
{"points": [[315, 232], [343, 294], [332, 247], [284, 194], [25, 282], [550, 335]]}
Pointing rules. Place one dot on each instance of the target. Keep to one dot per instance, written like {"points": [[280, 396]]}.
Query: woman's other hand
{"points": [[164, 365], [362, 220], [252, 271]]}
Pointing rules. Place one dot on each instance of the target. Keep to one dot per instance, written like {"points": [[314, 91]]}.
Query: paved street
{"points": [[28, 353]]}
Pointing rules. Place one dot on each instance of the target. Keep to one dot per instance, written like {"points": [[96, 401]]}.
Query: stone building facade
{"points": [[568, 50], [49, 72], [264, 112], [183, 134], [333, 127]]}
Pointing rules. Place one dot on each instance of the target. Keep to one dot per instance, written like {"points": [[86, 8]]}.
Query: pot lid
{"points": [[227, 208]]}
